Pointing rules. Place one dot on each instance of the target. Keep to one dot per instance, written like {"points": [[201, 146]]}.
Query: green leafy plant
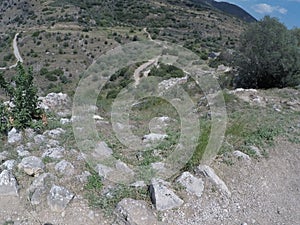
{"points": [[23, 96]]}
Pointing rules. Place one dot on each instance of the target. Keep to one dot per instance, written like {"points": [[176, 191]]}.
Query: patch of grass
{"points": [[262, 135], [108, 201], [202, 143], [48, 159]]}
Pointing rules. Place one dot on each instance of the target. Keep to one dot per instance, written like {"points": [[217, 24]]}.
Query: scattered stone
{"points": [[8, 184], [55, 133], [103, 170], [22, 152], [39, 187], [58, 103], [64, 121], [134, 212], [14, 136], [102, 151], [29, 133], [191, 183], [83, 178], [51, 143], [9, 164], [39, 139], [138, 184], [277, 108], [256, 150], [241, 155], [97, 117], [121, 166], [65, 168], [3, 156], [59, 198], [54, 153], [210, 173], [32, 165], [162, 197], [154, 137]]}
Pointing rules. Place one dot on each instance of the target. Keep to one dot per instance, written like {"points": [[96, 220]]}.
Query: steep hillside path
{"points": [[16, 53]]}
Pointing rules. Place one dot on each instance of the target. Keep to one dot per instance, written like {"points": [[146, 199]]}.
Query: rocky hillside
{"points": [[60, 39], [56, 173]]}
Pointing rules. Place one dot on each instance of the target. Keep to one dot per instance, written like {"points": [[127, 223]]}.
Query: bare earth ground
{"points": [[264, 192]]}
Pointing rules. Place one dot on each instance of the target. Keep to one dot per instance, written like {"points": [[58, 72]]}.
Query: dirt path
{"points": [[264, 192], [16, 54]]}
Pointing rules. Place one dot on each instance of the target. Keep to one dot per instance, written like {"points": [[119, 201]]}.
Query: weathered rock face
{"points": [[103, 170], [3, 156], [191, 183], [64, 168], [59, 198], [162, 197], [54, 153], [213, 177], [40, 187], [56, 102], [32, 165], [8, 184], [133, 212], [14, 137], [55, 133]]}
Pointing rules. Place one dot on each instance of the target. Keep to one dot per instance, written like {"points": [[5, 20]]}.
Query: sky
{"points": [[287, 11]]}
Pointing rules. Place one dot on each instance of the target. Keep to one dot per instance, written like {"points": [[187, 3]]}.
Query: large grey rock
{"points": [[40, 187], [213, 177], [55, 133], [59, 198], [191, 183], [64, 168], [32, 165], [163, 197], [40, 139], [102, 151], [22, 152], [14, 136], [54, 153], [103, 170], [3, 156], [58, 103], [154, 137], [241, 155], [133, 212], [9, 164], [121, 166], [8, 184]]}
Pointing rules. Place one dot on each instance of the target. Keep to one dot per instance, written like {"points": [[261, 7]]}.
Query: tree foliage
{"points": [[269, 56], [23, 107]]}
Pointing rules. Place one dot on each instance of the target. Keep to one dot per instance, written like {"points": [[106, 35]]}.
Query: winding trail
{"points": [[16, 53]]}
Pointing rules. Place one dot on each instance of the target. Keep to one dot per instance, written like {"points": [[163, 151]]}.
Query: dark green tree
{"points": [[23, 95], [269, 56]]}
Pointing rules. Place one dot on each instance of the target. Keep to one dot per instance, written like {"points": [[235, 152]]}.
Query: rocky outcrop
{"points": [[8, 184], [56, 102], [32, 165], [192, 184], [162, 196], [14, 136], [59, 198], [213, 177]]}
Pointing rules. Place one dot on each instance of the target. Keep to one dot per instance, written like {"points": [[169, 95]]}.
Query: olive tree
{"points": [[268, 57]]}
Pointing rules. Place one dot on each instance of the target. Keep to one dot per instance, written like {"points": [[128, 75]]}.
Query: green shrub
{"points": [[24, 98], [269, 56]]}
